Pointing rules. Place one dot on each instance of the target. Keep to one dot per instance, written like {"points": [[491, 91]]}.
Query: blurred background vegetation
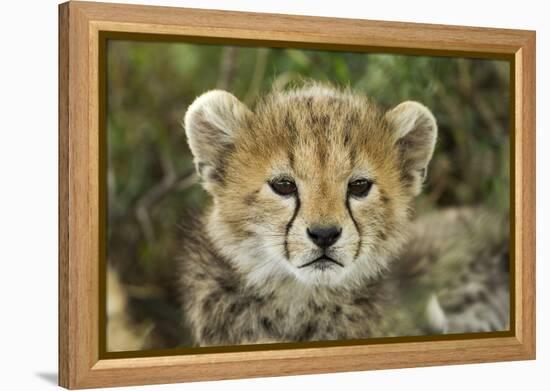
{"points": [[150, 177]]}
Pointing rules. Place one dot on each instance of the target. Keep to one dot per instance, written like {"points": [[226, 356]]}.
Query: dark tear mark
{"points": [[289, 224], [356, 227]]}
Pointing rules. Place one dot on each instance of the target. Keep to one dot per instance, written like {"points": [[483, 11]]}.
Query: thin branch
{"points": [[168, 183], [482, 105], [257, 76], [227, 67]]}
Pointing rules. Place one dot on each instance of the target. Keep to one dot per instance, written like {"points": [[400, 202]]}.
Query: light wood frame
{"points": [[80, 26]]}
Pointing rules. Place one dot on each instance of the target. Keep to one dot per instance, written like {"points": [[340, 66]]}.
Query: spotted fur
{"points": [[248, 273]]}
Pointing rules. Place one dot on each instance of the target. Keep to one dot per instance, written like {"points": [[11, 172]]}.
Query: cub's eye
{"points": [[283, 187], [359, 187]]}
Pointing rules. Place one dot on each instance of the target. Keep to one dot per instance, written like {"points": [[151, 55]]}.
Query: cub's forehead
{"points": [[318, 114], [318, 129]]}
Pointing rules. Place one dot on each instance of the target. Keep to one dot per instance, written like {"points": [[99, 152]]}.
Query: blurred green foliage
{"points": [[150, 175]]}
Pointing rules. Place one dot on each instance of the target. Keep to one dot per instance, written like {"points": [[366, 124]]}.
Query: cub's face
{"points": [[314, 185]]}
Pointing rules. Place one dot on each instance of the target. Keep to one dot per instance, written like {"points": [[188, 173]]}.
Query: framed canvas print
{"points": [[248, 195]]}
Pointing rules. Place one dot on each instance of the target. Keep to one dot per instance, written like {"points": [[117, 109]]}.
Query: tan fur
{"points": [[323, 139], [243, 274]]}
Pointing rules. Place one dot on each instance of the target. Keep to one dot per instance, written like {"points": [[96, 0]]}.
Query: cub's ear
{"points": [[416, 133], [211, 124]]}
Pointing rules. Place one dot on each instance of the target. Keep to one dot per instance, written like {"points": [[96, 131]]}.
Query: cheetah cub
{"points": [[312, 194]]}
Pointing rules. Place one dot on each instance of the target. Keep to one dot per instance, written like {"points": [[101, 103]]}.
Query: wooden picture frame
{"points": [[82, 32]]}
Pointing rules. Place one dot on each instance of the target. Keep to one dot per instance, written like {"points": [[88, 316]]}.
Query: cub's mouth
{"points": [[322, 263]]}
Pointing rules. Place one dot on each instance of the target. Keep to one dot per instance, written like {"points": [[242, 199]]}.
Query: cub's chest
{"points": [[344, 317], [283, 317]]}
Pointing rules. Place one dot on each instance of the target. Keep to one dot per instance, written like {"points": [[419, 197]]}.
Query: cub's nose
{"points": [[324, 236]]}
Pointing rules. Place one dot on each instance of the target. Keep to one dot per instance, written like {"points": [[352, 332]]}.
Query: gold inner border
{"points": [[104, 36]]}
